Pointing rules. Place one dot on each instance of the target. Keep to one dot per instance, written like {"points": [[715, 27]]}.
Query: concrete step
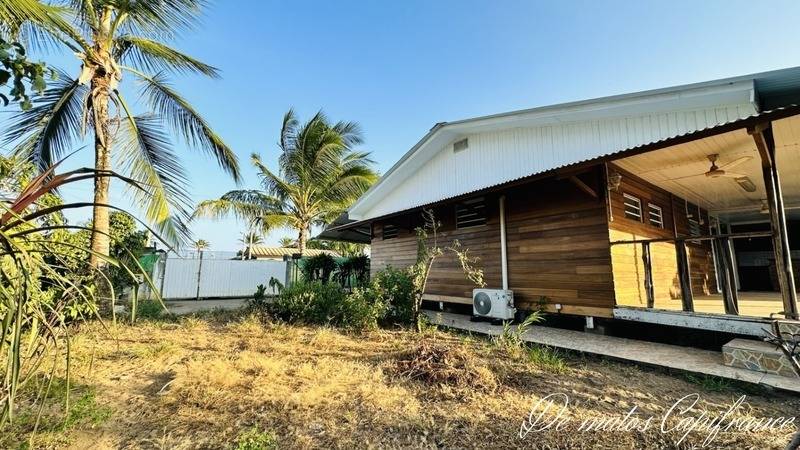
{"points": [[758, 356]]}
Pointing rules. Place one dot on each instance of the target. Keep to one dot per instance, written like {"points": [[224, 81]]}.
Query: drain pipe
{"points": [[503, 255]]}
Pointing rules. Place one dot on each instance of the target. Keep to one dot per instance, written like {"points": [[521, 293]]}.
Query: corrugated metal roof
{"points": [[263, 251], [610, 125]]}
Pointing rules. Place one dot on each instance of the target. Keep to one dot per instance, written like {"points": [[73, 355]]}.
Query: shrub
{"points": [[318, 268], [353, 271], [325, 304], [395, 289]]}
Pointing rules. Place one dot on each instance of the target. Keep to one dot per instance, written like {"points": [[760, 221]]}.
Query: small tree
{"points": [[427, 253]]}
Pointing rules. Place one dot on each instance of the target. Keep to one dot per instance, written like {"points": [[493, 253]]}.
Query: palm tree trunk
{"points": [[102, 153], [301, 240]]}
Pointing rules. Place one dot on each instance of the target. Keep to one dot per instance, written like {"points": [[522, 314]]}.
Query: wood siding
{"points": [[557, 241], [627, 261]]}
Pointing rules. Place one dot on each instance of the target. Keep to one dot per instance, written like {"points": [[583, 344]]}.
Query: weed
{"points": [[547, 358], [149, 309], [709, 383], [511, 337], [256, 439]]}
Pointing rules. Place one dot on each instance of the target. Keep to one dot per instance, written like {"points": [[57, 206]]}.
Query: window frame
{"points": [[660, 223], [625, 197]]}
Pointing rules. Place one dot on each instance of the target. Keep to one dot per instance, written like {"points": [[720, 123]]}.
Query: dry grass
{"points": [[206, 383]]}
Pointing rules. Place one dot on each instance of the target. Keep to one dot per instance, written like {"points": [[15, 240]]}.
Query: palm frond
{"points": [[160, 17], [44, 133], [147, 156], [153, 56], [182, 117]]}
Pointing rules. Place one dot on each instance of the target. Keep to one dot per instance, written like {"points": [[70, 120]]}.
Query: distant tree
{"points": [[320, 175], [248, 240], [201, 245], [286, 242]]}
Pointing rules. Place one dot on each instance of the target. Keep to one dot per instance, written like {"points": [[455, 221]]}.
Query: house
{"points": [[677, 206], [281, 253]]}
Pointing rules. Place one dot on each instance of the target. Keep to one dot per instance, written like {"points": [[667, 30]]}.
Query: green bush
{"points": [[353, 271], [395, 289], [318, 268], [326, 304]]}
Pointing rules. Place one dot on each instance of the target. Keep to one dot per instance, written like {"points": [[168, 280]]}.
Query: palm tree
{"points": [[249, 238], [111, 39], [286, 242], [201, 245], [320, 176]]}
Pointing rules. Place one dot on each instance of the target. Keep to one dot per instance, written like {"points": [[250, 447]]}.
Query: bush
{"points": [[318, 268], [395, 289], [353, 271], [325, 304]]}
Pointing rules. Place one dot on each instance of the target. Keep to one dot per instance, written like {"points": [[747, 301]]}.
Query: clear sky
{"points": [[400, 67]]}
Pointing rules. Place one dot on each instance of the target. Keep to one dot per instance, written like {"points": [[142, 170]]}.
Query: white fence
{"points": [[179, 278]]}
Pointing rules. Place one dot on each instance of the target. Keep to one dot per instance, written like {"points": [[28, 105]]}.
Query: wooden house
{"points": [[678, 206]]}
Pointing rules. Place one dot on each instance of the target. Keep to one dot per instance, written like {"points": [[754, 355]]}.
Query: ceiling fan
{"points": [[725, 171]]}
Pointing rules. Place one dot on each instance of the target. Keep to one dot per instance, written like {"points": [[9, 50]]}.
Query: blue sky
{"points": [[399, 67]]}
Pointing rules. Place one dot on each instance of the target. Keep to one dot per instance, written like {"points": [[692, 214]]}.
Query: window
{"points": [[390, 231], [471, 213], [633, 207], [656, 216], [694, 228], [461, 145]]}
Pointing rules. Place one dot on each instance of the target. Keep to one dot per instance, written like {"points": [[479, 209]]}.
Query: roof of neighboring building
{"points": [[518, 144], [263, 251]]}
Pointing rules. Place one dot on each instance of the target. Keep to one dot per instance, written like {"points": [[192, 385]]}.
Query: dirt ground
{"points": [[227, 380]]}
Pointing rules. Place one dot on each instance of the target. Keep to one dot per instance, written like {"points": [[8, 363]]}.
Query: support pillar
{"points": [[765, 142]]}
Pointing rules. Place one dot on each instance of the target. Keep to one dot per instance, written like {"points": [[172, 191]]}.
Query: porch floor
{"points": [[751, 304], [670, 356]]}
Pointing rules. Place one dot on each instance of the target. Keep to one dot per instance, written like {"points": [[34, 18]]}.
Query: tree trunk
{"points": [[301, 240], [102, 160]]}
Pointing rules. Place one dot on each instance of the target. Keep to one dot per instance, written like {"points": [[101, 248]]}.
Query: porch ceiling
{"points": [[680, 169]]}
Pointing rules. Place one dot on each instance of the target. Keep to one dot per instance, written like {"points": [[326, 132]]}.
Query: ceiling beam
{"points": [[583, 186]]}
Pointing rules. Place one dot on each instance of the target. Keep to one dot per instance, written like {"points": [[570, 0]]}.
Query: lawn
{"points": [[227, 380]]}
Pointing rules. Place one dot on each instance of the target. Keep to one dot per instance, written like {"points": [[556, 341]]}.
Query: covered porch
{"points": [[708, 224]]}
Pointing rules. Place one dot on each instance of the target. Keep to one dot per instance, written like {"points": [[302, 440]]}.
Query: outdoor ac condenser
{"points": [[493, 303]]}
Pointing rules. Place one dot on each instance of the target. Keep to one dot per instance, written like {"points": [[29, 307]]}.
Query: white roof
{"points": [[509, 146]]}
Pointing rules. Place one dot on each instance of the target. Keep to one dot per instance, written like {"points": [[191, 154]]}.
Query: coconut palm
{"points": [[249, 238], [112, 38], [319, 176], [201, 245], [286, 242]]}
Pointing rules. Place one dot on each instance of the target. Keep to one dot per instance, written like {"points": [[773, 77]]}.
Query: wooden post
{"points": [[729, 292], [684, 277], [762, 134], [648, 275]]}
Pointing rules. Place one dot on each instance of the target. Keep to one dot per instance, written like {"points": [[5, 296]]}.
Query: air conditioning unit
{"points": [[493, 303]]}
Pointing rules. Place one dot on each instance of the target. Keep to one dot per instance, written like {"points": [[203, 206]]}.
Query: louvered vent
{"points": [[471, 213], [390, 231], [459, 146]]}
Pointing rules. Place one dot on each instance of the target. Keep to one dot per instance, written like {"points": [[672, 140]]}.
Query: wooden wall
{"points": [[628, 267], [557, 241]]}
